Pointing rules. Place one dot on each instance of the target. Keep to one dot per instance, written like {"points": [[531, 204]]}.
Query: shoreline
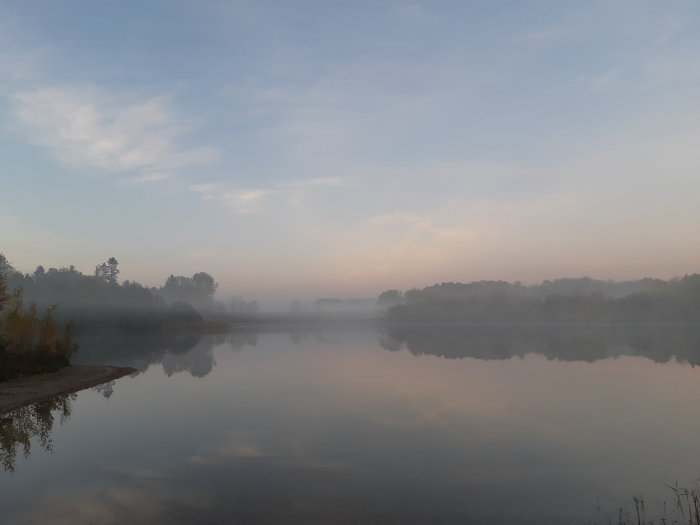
{"points": [[42, 387]]}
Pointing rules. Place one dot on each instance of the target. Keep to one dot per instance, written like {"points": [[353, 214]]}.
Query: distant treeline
{"points": [[99, 300], [582, 300]]}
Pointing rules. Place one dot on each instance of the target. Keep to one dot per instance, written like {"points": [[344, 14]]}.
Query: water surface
{"points": [[356, 426]]}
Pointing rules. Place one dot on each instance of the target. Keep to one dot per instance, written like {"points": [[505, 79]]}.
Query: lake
{"points": [[359, 425]]}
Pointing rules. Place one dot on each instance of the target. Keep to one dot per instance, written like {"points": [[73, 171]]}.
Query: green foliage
{"points": [[29, 342]]}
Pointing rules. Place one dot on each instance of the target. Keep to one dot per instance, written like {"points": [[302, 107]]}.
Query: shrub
{"points": [[30, 343]]}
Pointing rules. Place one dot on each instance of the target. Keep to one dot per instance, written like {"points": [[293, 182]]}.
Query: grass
{"points": [[683, 508]]}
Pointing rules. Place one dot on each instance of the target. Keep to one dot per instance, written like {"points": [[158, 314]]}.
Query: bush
{"points": [[30, 343]]}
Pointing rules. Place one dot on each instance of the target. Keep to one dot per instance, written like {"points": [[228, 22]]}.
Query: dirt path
{"points": [[41, 387]]}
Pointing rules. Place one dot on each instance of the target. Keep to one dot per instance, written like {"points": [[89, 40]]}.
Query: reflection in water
{"points": [[18, 427], [106, 389], [564, 343], [176, 353], [325, 427], [239, 340]]}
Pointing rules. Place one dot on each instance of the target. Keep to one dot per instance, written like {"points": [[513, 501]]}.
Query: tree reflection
{"points": [[659, 343], [19, 426], [239, 340], [176, 352]]}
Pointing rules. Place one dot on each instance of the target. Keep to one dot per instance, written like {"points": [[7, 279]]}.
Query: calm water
{"points": [[449, 426]]}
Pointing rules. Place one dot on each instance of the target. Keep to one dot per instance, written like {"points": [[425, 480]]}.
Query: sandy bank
{"points": [[41, 387]]}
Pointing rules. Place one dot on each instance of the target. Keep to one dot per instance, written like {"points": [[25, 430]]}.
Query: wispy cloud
{"points": [[245, 201], [206, 188], [85, 128], [313, 183], [239, 201], [251, 200]]}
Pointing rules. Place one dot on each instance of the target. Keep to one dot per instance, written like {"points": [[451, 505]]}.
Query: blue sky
{"points": [[305, 149]]}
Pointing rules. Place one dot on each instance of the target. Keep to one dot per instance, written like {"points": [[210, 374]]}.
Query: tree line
{"points": [[100, 300], [581, 300]]}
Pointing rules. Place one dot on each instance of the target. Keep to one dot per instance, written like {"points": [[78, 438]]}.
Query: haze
{"points": [[322, 149]]}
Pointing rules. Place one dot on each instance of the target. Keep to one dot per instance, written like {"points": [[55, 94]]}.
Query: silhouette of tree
{"points": [[205, 283], [390, 298], [107, 272], [5, 267], [240, 305], [112, 270], [197, 290], [39, 273], [581, 300]]}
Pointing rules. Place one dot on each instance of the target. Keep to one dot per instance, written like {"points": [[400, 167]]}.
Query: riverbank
{"points": [[41, 387]]}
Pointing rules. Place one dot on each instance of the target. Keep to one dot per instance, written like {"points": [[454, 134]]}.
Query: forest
{"points": [[99, 301], [560, 301]]}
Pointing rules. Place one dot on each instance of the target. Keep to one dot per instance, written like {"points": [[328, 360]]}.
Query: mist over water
{"points": [[314, 426]]}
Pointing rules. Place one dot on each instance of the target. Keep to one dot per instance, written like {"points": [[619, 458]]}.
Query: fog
{"points": [[372, 262], [103, 299]]}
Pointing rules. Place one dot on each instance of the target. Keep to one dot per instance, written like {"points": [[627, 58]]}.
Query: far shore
{"points": [[42, 387]]}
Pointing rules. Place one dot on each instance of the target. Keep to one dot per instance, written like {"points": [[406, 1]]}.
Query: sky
{"points": [[341, 148]]}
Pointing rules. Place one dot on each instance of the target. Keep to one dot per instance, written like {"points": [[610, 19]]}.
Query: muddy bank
{"points": [[41, 387]]}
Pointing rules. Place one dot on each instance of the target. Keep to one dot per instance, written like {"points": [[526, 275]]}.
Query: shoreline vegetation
{"points": [[30, 343]]}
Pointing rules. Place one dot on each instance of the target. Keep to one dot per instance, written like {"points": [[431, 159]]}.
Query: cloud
{"points": [[237, 445], [205, 188], [251, 200], [131, 495], [245, 201], [85, 128], [150, 177], [312, 183]]}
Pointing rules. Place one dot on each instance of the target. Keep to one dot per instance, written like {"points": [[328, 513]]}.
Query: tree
{"points": [[107, 272], [3, 289], [205, 283], [197, 290], [101, 272], [39, 272], [5, 267], [390, 298], [112, 270], [240, 305]]}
